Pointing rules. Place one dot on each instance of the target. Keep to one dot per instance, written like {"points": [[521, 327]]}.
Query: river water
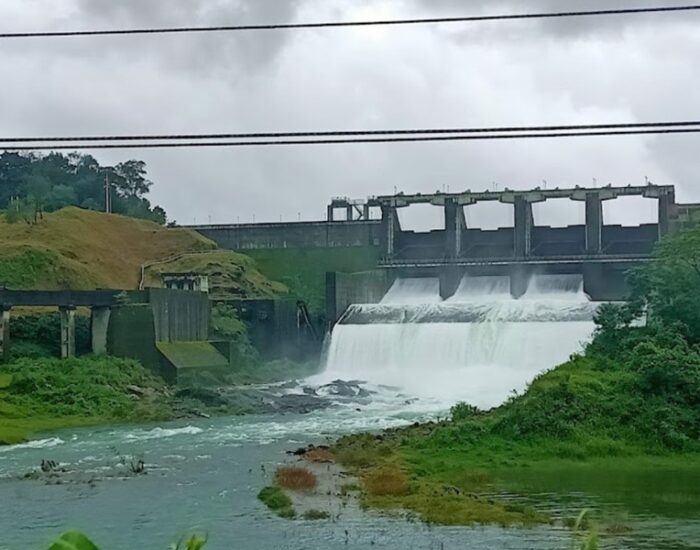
{"points": [[206, 475], [419, 356]]}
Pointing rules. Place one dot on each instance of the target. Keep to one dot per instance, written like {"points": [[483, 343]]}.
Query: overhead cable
{"points": [[369, 140], [366, 23], [353, 133]]}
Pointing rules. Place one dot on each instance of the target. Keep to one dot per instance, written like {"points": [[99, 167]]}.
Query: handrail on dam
{"points": [[553, 260]]}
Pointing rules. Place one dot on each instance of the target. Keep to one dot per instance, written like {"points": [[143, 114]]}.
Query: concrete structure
{"points": [[345, 289], [600, 252], [196, 282], [336, 234], [279, 329], [125, 323]]}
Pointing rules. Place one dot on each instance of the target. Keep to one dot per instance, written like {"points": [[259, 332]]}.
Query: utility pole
{"points": [[108, 195]]}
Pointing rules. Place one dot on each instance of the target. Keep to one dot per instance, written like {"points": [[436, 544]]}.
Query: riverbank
{"points": [[39, 395], [630, 404]]}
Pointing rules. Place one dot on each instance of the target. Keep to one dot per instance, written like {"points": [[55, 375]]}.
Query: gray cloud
{"points": [[355, 79]]}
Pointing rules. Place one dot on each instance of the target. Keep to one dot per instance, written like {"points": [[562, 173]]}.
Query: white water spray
{"points": [[479, 346]]}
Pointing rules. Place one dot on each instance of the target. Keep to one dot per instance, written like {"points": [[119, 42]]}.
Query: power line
{"points": [[413, 139], [369, 23], [354, 133]]}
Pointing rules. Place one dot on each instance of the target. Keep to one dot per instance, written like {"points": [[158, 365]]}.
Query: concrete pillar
{"points": [[365, 212], [331, 213], [4, 333], [389, 224], [67, 315], [523, 227], [350, 212], [594, 223], [453, 231], [450, 278], [519, 280], [594, 282], [99, 324], [666, 207]]}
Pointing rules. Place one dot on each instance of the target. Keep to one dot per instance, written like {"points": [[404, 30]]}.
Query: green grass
{"points": [[315, 515], [631, 407], [82, 250], [303, 270], [231, 275], [46, 394], [276, 500]]}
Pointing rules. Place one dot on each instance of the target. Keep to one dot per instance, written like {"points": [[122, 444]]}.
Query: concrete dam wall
{"points": [[294, 235], [598, 252]]}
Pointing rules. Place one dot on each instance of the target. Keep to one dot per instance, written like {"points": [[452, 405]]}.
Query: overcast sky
{"points": [[617, 69]]}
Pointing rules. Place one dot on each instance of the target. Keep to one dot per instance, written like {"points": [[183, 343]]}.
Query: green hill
{"points": [[82, 249]]}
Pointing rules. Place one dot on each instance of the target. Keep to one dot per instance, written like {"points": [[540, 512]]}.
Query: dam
{"points": [[479, 346], [599, 252]]}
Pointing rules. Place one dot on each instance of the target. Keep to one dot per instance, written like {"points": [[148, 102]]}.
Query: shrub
{"points": [[386, 482], [295, 478], [315, 515], [276, 500], [319, 456], [463, 411]]}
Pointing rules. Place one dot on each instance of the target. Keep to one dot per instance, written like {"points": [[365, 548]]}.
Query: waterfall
{"points": [[479, 346]]}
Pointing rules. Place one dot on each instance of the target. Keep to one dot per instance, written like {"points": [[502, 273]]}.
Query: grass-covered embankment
{"points": [[38, 395], [303, 270], [631, 401], [638, 408], [81, 249]]}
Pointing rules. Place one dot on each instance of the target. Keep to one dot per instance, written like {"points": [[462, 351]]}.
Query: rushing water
{"points": [[418, 355], [479, 346], [207, 474]]}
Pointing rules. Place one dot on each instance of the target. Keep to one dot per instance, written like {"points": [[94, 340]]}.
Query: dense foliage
{"points": [[38, 394], [35, 336], [33, 184]]}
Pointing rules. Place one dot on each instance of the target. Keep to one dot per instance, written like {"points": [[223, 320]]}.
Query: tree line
{"points": [[31, 184]]}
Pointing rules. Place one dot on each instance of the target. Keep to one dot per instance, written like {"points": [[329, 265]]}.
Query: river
{"points": [[479, 347], [206, 475]]}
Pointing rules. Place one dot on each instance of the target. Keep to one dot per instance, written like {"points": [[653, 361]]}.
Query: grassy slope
{"points": [[231, 275], [83, 249], [43, 394], [583, 415], [303, 270]]}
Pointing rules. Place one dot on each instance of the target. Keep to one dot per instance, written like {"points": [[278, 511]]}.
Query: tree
{"points": [[131, 179], [20, 210], [669, 286], [38, 188], [60, 197], [54, 181]]}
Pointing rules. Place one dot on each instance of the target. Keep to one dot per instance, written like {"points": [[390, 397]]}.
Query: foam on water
{"points": [[38, 444], [478, 347], [160, 433], [413, 291]]}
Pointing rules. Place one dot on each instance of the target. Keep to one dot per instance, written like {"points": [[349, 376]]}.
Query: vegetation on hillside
{"points": [[231, 275], [35, 335], [42, 394], [303, 270], [635, 392], [32, 184], [81, 250]]}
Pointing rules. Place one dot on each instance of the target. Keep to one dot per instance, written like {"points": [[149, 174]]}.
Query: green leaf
{"points": [[5, 381], [73, 540]]}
